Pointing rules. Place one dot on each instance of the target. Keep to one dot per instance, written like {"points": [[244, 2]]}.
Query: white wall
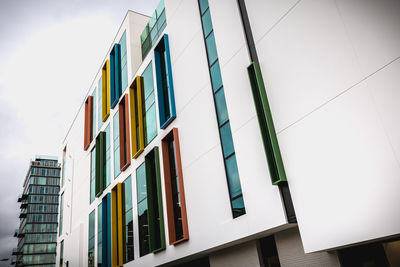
{"points": [[331, 69]]}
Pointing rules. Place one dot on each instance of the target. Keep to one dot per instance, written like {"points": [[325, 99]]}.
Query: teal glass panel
{"points": [[226, 138], [151, 124], [61, 215], [207, 24], [141, 183], [108, 156], [203, 5], [117, 170], [220, 103], [148, 80], [99, 234], [211, 49], [124, 70], [100, 101], [92, 221], [233, 176], [161, 23], [128, 194], [160, 8], [216, 79], [143, 224], [129, 253]]}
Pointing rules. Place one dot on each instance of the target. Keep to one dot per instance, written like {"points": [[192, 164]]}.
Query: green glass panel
{"points": [[92, 220], [233, 176], [92, 175], [211, 49], [238, 207], [160, 8], [221, 107], [148, 82], [216, 79], [207, 24], [226, 138], [128, 194]]}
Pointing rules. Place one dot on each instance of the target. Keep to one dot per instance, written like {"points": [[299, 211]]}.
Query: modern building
{"points": [[37, 233], [239, 133]]}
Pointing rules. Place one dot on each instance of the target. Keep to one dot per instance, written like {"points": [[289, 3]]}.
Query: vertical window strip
{"points": [[228, 151], [142, 207], [154, 199], [61, 252], [106, 230], [105, 91], [99, 104], [63, 167], [94, 120], [174, 188], [107, 171], [60, 227], [117, 170], [271, 147], [124, 65], [118, 224], [115, 74], [92, 174], [100, 163], [165, 88], [100, 235], [129, 249], [136, 105], [92, 221], [88, 122], [124, 136], [149, 115]]}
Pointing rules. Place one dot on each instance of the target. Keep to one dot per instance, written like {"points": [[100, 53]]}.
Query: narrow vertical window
{"points": [[92, 174], [118, 224], [136, 105], [63, 167], [100, 163], [105, 91], [174, 189], [107, 170], [60, 226], [94, 120], [61, 252], [106, 230], [149, 115], [150, 211], [165, 88], [225, 134], [124, 65], [117, 170], [128, 255], [115, 74], [92, 221], [100, 235], [142, 207], [124, 141], [88, 122]]}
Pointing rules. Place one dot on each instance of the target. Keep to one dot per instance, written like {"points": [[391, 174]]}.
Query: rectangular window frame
{"points": [[164, 69], [136, 111], [173, 136], [88, 127], [124, 135], [105, 91]]}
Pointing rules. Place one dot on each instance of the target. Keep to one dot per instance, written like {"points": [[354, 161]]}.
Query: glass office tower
{"points": [[37, 233]]}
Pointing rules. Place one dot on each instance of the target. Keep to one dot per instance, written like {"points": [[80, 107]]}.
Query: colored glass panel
{"points": [[92, 221], [136, 111], [129, 253], [92, 174], [117, 170], [150, 127]]}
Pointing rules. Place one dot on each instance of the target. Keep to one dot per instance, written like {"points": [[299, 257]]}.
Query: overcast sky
{"points": [[50, 52]]}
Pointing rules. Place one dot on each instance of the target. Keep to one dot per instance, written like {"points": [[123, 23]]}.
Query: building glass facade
{"points": [[37, 234]]}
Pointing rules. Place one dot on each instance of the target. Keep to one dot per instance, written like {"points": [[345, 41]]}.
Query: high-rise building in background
{"points": [[37, 233], [239, 133]]}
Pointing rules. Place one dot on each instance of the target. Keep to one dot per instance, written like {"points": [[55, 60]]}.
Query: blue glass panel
{"points": [[221, 107], [207, 24], [216, 79], [226, 138], [233, 176], [203, 5], [211, 49]]}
